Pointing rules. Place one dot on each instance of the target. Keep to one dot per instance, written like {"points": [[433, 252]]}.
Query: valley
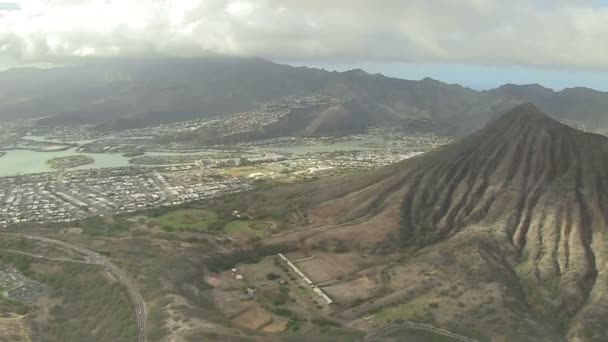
{"points": [[301, 258]]}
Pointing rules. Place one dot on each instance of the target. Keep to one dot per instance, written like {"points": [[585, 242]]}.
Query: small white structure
{"points": [[256, 175], [320, 169]]}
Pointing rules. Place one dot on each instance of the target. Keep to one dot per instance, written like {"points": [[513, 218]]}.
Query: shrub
{"points": [[325, 322], [272, 276]]}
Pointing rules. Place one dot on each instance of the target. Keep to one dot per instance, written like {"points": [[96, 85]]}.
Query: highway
{"points": [[95, 258]]}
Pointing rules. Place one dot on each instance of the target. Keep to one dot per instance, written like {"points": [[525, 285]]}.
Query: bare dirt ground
{"points": [[13, 328], [357, 289], [236, 306], [324, 266], [276, 326], [253, 318]]}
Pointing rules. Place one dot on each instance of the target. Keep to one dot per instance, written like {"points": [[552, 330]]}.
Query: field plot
{"points": [[207, 221], [247, 228], [187, 219], [352, 290], [322, 267], [276, 326], [412, 334], [240, 296], [414, 309], [12, 328], [260, 319]]}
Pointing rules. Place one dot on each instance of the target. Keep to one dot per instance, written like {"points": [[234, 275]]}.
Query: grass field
{"points": [[203, 220], [187, 220], [247, 228], [416, 310], [408, 334]]}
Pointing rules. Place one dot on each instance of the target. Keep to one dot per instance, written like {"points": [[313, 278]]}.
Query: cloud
{"points": [[9, 6], [545, 33]]}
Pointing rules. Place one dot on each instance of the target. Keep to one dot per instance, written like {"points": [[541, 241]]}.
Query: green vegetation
{"points": [[283, 312], [272, 276], [156, 322], [247, 228], [425, 235], [133, 154], [224, 262], [541, 295], [96, 226], [70, 161], [321, 334], [187, 220], [416, 310], [409, 334], [8, 305], [209, 221], [325, 322], [86, 305]]}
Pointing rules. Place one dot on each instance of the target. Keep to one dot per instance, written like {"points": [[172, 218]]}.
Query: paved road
{"points": [[378, 334], [97, 259]]}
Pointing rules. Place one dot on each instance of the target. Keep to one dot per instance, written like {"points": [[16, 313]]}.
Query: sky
{"points": [[477, 43]]}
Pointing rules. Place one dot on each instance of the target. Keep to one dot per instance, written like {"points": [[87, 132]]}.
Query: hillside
{"points": [[515, 214], [582, 104], [316, 121], [131, 93]]}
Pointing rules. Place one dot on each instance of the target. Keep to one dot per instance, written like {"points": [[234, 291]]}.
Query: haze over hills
{"points": [[517, 211], [135, 93]]}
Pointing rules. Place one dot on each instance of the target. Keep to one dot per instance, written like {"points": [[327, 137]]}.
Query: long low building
{"points": [[316, 290]]}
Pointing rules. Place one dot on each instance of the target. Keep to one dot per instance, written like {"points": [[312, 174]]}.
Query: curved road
{"points": [[95, 258]]}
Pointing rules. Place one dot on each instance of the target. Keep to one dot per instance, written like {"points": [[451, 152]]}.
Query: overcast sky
{"points": [[478, 43]]}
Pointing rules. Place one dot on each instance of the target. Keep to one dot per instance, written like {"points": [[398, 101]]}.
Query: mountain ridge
{"points": [[136, 93]]}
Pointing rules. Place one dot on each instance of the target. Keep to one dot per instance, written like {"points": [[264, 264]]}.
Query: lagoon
{"points": [[21, 162]]}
